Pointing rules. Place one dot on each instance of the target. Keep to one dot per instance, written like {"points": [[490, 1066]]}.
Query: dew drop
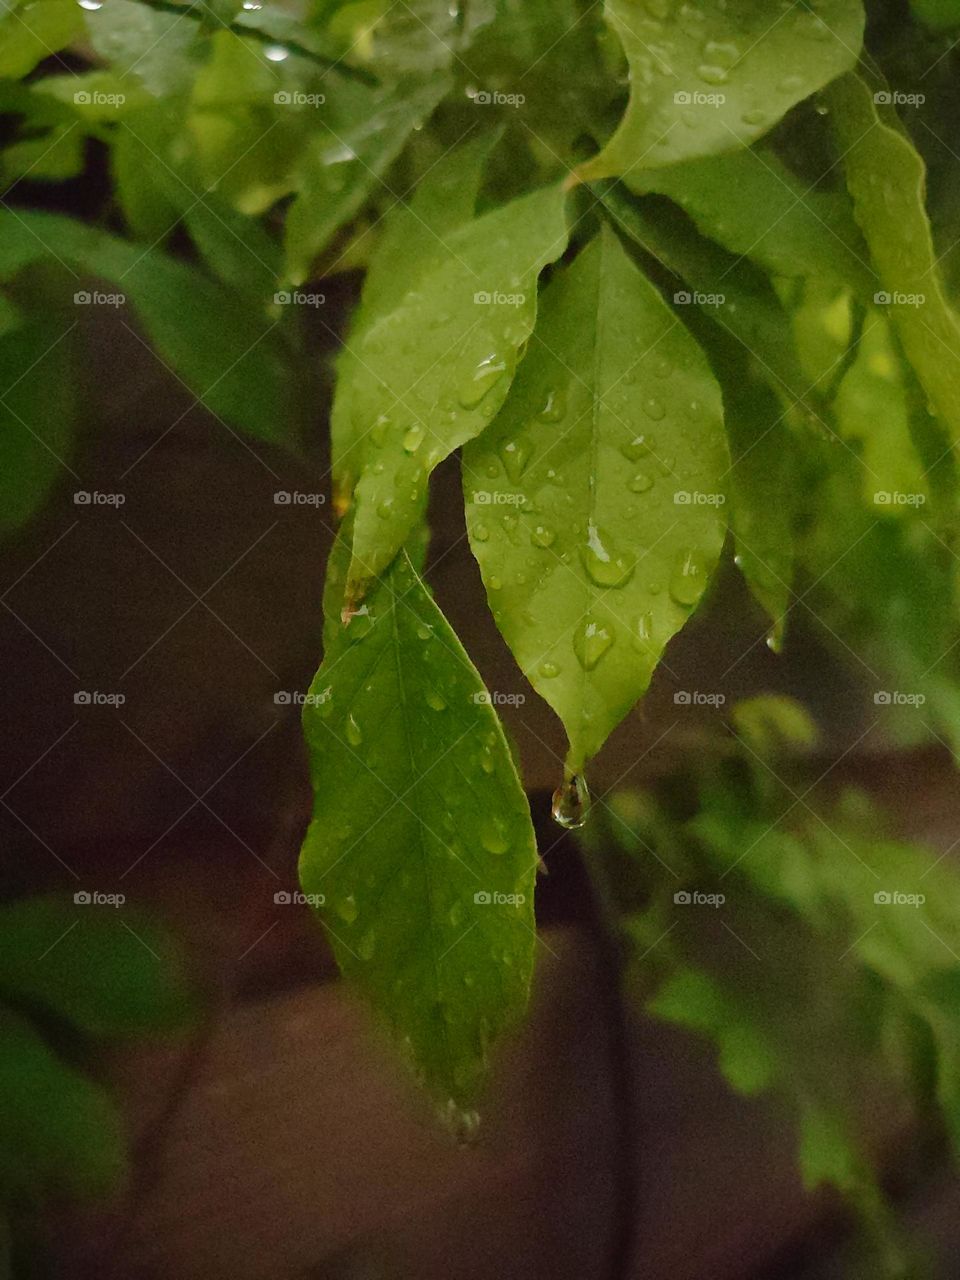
{"points": [[654, 409], [434, 701], [486, 375], [689, 578], [571, 800], [640, 483], [602, 562], [514, 454], [413, 439], [276, 53], [353, 731], [346, 908], [543, 536], [548, 670], [480, 532], [367, 945], [424, 631], [93, 5], [591, 642], [555, 406], [493, 836], [637, 448], [463, 1125]]}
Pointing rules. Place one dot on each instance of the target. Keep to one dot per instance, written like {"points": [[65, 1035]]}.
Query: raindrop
{"points": [[480, 532], [689, 578], [346, 908], [493, 837], [548, 670], [638, 447], [488, 372], [413, 439], [434, 700], [590, 643], [654, 409], [605, 566], [276, 53], [515, 454], [353, 731], [571, 800], [554, 407], [640, 483], [543, 536]]}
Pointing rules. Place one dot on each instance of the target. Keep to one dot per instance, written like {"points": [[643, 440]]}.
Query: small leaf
{"points": [[594, 501], [753, 205], [435, 369], [716, 78], [32, 32], [421, 841], [106, 975], [159, 50], [411, 244], [60, 1135], [886, 178]]}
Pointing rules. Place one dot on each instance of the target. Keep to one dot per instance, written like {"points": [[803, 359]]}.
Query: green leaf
{"points": [[60, 1135], [716, 78], [36, 417], [941, 15], [753, 205], [238, 250], [827, 1153], [435, 369], [227, 353], [159, 50], [411, 244], [107, 973], [32, 32], [417, 37], [594, 501], [417, 811], [360, 133], [886, 178]]}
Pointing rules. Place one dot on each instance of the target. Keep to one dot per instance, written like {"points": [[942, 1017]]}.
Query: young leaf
{"points": [[36, 417], [593, 500], [421, 842], [753, 205], [434, 370], [715, 78], [411, 244], [886, 178], [59, 1133], [105, 976]]}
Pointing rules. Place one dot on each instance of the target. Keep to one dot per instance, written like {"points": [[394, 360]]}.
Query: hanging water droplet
{"points": [[591, 642], [93, 5], [515, 454], [424, 631], [571, 800], [689, 578], [603, 563], [487, 374], [353, 731], [774, 642], [463, 1125], [275, 52], [385, 509]]}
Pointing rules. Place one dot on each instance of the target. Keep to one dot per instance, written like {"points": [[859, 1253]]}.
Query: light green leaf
{"points": [[35, 31], [60, 1135], [716, 77], [421, 834], [753, 205], [412, 243], [827, 1153], [360, 133], [159, 50], [436, 368], [36, 417], [886, 178], [107, 975], [594, 501], [227, 353], [417, 37]]}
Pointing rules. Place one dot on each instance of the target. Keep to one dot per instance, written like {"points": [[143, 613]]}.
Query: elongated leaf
{"points": [[412, 243], [59, 1133], [159, 50], [32, 32], [753, 205], [361, 132], [886, 177], [105, 974], [226, 352], [717, 76], [594, 501], [421, 841], [36, 417], [435, 369]]}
